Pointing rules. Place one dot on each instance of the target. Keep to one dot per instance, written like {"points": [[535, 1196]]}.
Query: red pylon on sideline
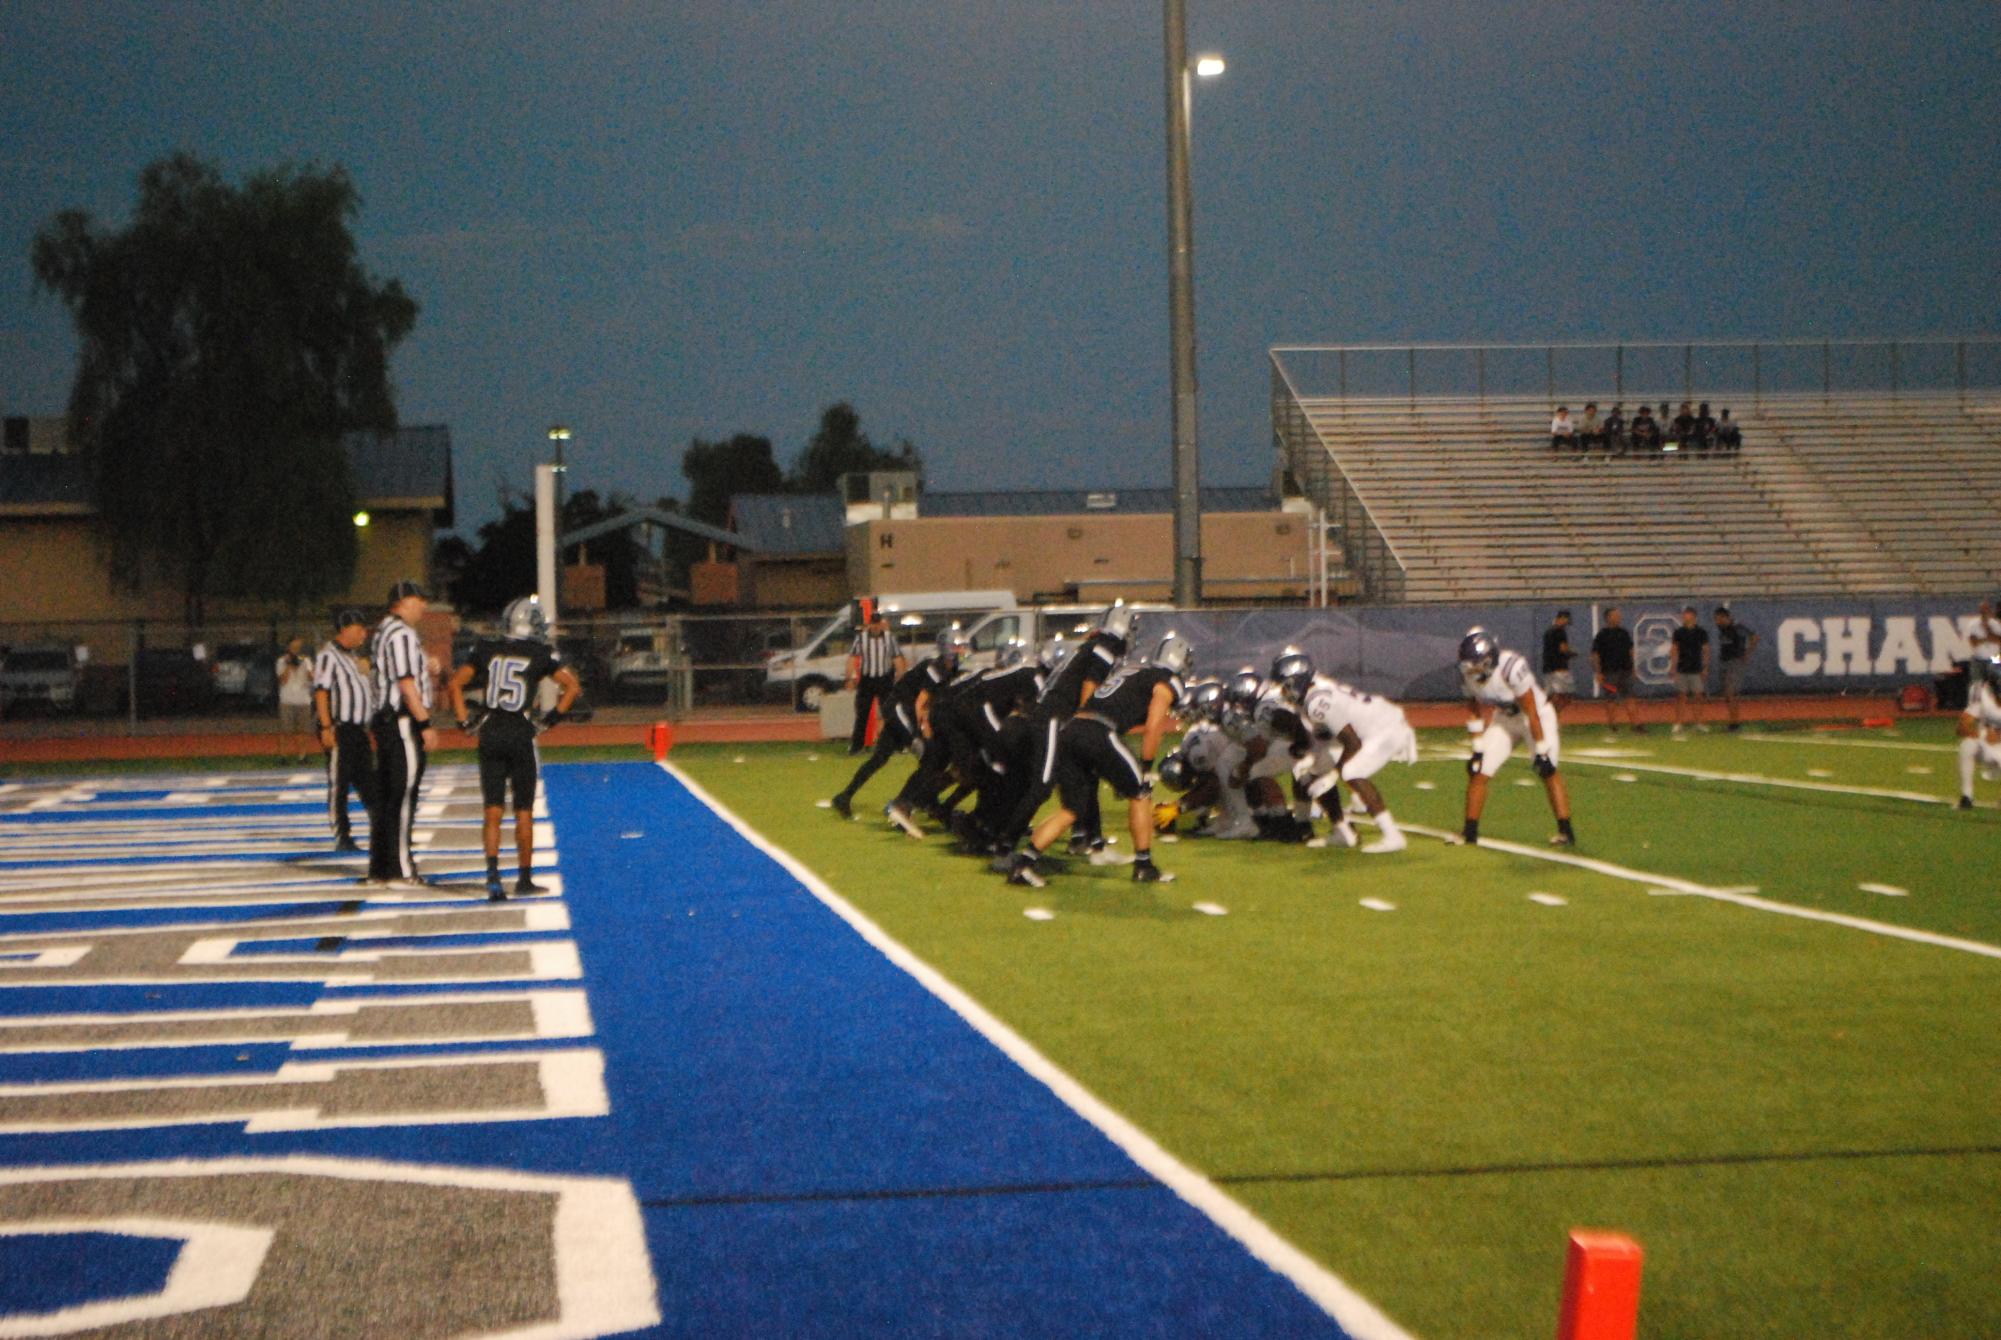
{"points": [[1601, 1287], [660, 739], [874, 725]]}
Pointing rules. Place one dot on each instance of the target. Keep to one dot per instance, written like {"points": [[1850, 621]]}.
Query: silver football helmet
{"points": [[1479, 653], [1010, 654], [1293, 668], [1174, 654], [523, 619], [1205, 700], [1241, 692], [1118, 621], [952, 646]]}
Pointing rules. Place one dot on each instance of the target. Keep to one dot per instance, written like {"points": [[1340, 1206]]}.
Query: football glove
{"points": [[474, 718], [1545, 766]]}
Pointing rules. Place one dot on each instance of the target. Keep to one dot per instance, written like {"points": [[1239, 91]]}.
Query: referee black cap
{"points": [[349, 618], [403, 590]]}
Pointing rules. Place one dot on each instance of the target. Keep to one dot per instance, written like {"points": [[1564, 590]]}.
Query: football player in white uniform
{"points": [[1352, 735], [1506, 708], [1980, 723]]}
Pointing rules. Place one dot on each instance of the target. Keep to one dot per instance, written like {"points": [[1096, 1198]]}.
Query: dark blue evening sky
{"points": [[658, 221]]}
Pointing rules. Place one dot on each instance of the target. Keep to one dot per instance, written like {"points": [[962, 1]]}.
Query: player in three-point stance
{"points": [[510, 671], [1507, 707], [1350, 736], [907, 722], [1980, 723], [1091, 749]]}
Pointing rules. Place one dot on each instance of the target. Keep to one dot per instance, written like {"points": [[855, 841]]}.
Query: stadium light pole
{"points": [[1181, 302]]}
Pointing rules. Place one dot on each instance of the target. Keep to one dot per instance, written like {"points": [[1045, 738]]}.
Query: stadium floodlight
{"points": [[361, 520], [1208, 65], [559, 434]]}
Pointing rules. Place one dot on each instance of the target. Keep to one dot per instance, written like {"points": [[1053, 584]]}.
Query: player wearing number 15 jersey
{"points": [[511, 671]]}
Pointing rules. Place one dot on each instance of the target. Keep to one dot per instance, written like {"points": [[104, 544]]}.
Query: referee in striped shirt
{"points": [[404, 736], [875, 663], [344, 703]]}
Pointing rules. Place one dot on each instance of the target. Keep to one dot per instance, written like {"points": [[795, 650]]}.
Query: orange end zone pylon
{"points": [[660, 739], [1601, 1287]]}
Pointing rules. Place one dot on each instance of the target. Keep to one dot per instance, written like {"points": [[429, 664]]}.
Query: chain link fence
{"points": [[155, 670]]}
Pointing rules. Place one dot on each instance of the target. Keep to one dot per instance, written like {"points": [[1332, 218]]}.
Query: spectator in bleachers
{"points": [[1562, 432], [1705, 428], [1646, 432], [1728, 435], [1615, 429], [1684, 426], [1590, 433]]}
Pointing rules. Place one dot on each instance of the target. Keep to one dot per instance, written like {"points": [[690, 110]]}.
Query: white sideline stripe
{"points": [[1759, 779], [1356, 1314], [1669, 884], [1850, 744]]}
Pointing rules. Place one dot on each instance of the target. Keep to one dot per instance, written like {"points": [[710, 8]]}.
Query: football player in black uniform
{"points": [[1093, 750], [510, 671], [966, 724], [1073, 680], [908, 720]]}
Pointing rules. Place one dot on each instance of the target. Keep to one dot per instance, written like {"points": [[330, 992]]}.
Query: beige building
{"points": [[60, 588], [1063, 546]]}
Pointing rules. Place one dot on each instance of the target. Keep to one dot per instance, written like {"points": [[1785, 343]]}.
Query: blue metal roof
{"points": [[790, 523], [1069, 502]]}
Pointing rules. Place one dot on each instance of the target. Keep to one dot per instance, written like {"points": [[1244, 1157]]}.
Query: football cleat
{"points": [[495, 893], [1562, 840], [840, 806], [527, 885], [1146, 872], [1395, 842], [1966, 802], [900, 816], [1021, 870]]}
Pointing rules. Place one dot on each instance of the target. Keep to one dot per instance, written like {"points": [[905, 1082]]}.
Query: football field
{"points": [[749, 1069], [1754, 1020]]}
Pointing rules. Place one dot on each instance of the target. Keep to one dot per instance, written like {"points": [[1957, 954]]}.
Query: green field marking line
{"points": [[1677, 885], [1358, 1316]]}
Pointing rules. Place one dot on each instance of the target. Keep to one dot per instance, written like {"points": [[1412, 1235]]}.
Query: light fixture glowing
{"points": [[361, 520], [1209, 65]]}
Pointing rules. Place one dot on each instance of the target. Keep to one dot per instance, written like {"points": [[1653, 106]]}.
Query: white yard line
{"points": [[1356, 1314], [1849, 744], [1760, 779], [1676, 885]]}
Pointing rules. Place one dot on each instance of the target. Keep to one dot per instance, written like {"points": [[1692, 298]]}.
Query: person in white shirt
{"points": [[1506, 708], [1351, 736], [1562, 432], [294, 670], [1980, 723]]}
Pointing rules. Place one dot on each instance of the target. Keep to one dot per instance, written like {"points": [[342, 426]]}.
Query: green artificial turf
{"points": [[1798, 1120]]}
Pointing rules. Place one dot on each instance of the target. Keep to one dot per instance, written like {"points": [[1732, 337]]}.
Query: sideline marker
{"points": [[1601, 1287], [660, 739]]}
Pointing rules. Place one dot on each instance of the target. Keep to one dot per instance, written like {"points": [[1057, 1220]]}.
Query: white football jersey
{"points": [[1203, 747], [1511, 679], [1331, 705], [1983, 704], [1271, 703]]}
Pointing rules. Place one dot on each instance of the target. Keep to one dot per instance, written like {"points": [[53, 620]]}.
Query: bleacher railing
{"points": [[1684, 369], [1370, 557]]}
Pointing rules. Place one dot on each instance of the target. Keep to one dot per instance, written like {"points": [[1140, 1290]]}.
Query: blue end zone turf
{"points": [[823, 1147], [819, 1146]]}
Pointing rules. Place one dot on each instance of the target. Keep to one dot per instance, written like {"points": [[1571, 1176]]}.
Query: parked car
{"points": [[172, 680], [247, 672], [642, 664], [38, 676]]}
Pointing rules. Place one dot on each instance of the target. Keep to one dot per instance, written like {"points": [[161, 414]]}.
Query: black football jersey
{"points": [[509, 672], [1095, 658], [928, 674], [1125, 698]]}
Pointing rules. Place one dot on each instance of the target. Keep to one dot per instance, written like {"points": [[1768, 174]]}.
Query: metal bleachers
{"points": [[1463, 499]]}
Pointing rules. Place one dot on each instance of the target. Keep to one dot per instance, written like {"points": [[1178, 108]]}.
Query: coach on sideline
{"points": [[344, 704], [404, 736]]}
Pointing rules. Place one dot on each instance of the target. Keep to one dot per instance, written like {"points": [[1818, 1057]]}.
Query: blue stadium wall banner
{"points": [[1408, 652]]}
